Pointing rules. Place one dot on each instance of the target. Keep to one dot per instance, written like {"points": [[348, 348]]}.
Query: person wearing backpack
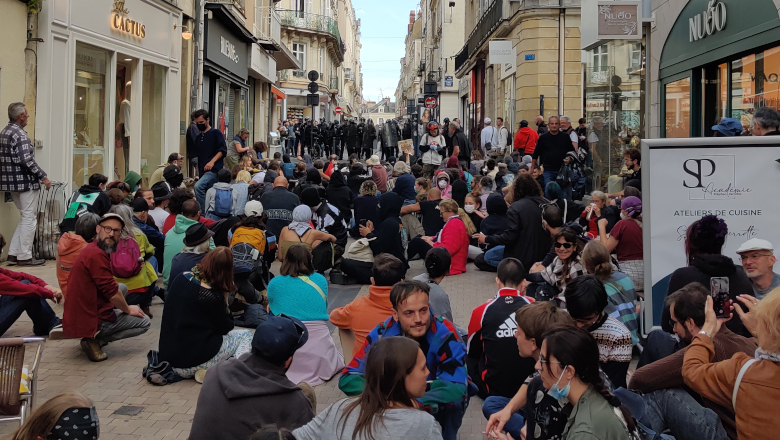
{"points": [[133, 263], [219, 198], [97, 311], [461, 146], [89, 198]]}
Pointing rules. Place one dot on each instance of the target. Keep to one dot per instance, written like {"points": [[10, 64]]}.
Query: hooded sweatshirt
{"points": [[363, 314], [446, 192], [701, 269], [387, 234], [86, 199], [524, 237], [133, 180], [174, 243], [496, 221], [525, 140], [239, 396], [68, 249], [404, 186]]}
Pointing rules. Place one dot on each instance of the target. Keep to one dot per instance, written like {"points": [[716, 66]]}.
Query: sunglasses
{"points": [[566, 245]]}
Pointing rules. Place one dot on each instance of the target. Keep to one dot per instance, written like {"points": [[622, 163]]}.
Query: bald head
{"points": [[539, 119], [280, 181], [434, 194]]}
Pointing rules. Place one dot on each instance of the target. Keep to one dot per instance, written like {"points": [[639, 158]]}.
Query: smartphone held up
{"points": [[721, 301]]}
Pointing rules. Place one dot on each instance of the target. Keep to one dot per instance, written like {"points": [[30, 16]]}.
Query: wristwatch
{"points": [[705, 333]]}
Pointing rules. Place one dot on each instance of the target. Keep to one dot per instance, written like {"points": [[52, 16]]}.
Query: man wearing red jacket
{"points": [[97, 311], [22, 292], [525, 139]]}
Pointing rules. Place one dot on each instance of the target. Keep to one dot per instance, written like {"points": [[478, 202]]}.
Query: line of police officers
{"points": [[354, 136]]}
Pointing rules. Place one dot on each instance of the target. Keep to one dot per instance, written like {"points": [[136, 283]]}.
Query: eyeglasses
{"points": [[586, 322], [111, 231], [566, 245], [543, 360], [753, 257], [672, 323]]}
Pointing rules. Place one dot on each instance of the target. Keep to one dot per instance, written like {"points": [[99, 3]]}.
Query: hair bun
{"points": [[711, 226]]}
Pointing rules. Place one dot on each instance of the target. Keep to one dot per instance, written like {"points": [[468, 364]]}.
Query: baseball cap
{"points": [[728, 127], [197, 234], [112, 216], [253, 208], [139, 205], [755, 244], [172, 174], [278, 337]]}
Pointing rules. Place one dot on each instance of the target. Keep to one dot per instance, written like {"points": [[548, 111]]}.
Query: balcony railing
{"points": [[299, 73], [334, 83], [312, 22], [283, 75], [349, 75], [238, 4], [268, 24]]}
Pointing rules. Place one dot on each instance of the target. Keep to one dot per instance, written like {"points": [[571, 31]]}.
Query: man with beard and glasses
{"points": [[97, 311], [446, 397]]}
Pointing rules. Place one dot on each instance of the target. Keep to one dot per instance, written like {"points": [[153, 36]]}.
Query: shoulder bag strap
{"points": [[306, 280], [565, 210], [639, 223], [739, 380]]}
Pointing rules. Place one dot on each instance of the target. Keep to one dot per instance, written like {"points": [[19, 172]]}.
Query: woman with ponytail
{"points": [[569, 367], [621, 296], [454, 236]]}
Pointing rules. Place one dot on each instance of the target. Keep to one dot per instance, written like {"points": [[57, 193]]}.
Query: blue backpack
{"points": [[223, 203]]}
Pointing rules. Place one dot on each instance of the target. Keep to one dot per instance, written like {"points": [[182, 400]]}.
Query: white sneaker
{"points": [[200, 375], [56, 332]]}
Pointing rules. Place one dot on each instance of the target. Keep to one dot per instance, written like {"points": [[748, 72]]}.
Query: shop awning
{"points": [[279, 94]]}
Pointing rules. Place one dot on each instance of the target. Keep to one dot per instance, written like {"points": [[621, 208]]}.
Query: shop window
{"points": [[601, 58], [89, 115], [152, 120], [755, 83], [678, 108]]}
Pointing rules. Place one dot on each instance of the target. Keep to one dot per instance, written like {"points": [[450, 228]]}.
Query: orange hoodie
{"points": [[68, 250], [364, 314]]}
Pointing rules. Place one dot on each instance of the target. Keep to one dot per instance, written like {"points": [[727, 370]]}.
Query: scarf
{"points": [[301, 219], [763, 355], [76, 424]]}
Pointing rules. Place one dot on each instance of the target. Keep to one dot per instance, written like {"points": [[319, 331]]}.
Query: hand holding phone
{"points": [[721, 301]]}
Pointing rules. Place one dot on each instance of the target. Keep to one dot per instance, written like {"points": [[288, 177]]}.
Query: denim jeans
{"points": [[659, 345], [450, 420], [416, 142], [206, 181], [494, 404], [549, 176], [41, 314], [494, 255], [675, 410]]}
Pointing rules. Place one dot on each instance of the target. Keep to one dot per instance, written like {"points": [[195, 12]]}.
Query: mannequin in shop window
{"points": [[124, 125]]}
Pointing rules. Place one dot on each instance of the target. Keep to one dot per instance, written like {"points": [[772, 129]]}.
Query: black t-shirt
{"points": [[431, 217], [552, 148], [636, 179], [545, 417]]}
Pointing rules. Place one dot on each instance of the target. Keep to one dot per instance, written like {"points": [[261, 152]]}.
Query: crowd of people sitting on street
{"points": [[549, 353]]}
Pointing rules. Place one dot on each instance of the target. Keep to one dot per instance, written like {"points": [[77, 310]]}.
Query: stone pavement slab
{"points": [[168, 410]]}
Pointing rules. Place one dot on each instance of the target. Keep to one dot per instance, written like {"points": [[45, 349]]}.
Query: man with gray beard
{"points": [[96, 310]]}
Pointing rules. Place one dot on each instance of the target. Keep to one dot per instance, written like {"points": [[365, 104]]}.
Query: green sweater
{"points": [[593, 418]]}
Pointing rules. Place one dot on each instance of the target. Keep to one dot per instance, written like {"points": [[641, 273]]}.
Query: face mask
{"points": [[557, 393], [201, 127], [469, 208], [442, 184], [623, 216]]}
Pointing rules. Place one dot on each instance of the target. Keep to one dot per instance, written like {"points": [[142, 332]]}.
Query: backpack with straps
{"points": [[125, 259], [223, 202]]}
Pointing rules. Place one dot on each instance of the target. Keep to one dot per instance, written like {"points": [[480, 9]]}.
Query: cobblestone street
{"points": [[167, 411]]}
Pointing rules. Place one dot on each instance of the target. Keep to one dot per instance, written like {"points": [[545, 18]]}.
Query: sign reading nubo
{"points": [[620, 20], [121, 23]]}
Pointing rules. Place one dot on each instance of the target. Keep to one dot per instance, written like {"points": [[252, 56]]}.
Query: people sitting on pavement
{"points": [[327, 218], [162, 198], [154, 236], [219, 198], [495, 222], [71, 244], [178, 197], [662, 385], [52, 419], [758, 260], [97, 311], [197, 329], [625, 240], [240, 192], [174, 239], [404, 182], [742, 382], [454, 236], [365, 207], [241, 395], [571, 211], [196, 245], [446, 397], [393, 390], [437, 267], [279, 204], [358, 318], [142, 286], [302, 293], [384, 238], [564, 269], [569, 368], [300, 232], [493, 362], [357, 176], [340, 196], [598, 209], [586, 299], [22, 292], [621, 296], [429, 221], [88, 198], [546, 416]]}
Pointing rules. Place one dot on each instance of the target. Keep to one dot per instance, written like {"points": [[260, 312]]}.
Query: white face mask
{"points": [[442, 184], [623, 216], [469, 208]]}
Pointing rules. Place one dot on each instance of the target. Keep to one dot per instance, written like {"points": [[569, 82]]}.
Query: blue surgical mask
{"points": [[557, 393]]}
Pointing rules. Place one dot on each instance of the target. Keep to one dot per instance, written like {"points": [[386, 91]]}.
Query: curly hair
{"points": [[179, 196], [525, 186], [368, 188]]}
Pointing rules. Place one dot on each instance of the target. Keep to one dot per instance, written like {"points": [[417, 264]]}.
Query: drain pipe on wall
{"points": [[561, 56]]}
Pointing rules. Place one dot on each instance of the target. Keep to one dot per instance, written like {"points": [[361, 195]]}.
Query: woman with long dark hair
{"points": [[387, 409], [565, 267]]}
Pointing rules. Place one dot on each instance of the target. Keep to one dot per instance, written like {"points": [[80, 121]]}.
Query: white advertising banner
{"points": [[501, 52], [685, 179]]}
